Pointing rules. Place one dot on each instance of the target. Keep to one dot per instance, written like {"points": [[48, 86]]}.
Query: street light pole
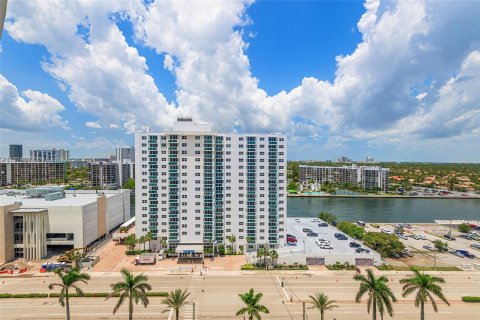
{"points": [[304, 249]]}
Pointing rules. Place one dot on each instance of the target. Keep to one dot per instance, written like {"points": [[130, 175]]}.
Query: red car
{"points": [[291, 239]]}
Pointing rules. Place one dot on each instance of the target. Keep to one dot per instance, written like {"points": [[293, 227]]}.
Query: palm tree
{"points": [[320, 301], [252, 308], [69, 280], [232, 239], [149, 238], [426, 285], [274, 256], [142, 240], [133, 288], [379, 294], [176, 300]]}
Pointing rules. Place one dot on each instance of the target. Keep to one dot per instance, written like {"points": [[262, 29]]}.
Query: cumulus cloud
{"points": [[93, 124], [413, 75], [28, 110]]}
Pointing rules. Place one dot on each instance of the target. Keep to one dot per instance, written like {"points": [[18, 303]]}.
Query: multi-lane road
{"points": [[216, 296]]}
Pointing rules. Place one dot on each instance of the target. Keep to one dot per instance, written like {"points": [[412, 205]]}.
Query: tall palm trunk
{"points": [[67, 304], [374, 309], [177, 313], [130, 307], [422, 311], [321, 315]]}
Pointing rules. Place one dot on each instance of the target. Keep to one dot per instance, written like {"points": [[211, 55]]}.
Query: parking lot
{"points": [[306, 247], [426, 257]]}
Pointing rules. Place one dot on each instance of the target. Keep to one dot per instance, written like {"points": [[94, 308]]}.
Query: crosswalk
{"points": [[194, 288]]}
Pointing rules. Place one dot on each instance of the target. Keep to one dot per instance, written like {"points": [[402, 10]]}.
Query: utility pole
{"points": [[304, 311], [193, 310]]}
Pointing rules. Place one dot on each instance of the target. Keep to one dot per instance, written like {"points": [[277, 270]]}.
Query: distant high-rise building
{"points": [[344, 160], [25, 172], [109, 174], [369, 178], [16, 151], [125, 154], [195, 186], [369, 160], [53, 155]]}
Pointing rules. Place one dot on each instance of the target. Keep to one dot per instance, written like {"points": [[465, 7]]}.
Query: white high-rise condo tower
{"points": [[195, 187]]}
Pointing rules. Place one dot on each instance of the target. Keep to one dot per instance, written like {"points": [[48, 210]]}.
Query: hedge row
{"points": [[471, 299], [72, 295], [23, 295]]}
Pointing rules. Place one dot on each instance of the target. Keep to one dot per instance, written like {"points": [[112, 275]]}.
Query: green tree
{"points": [[274, 256], [426, 287], [76, 257], [221, 249], [321, 302], [440, 245], [464, 228], [129, 184], [130, 241], [351, 229], [149, 238], [379, 294], [292, 186], [232, 239], [252, 308], [327, 217], [386, 244], [132, 288], [142, 240], [68, 280], [176, 300]]}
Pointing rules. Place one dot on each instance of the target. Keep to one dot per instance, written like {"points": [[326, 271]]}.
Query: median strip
{"points": [[72, 295]]}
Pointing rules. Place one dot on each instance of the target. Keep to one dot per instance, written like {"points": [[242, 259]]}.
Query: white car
{"points": [[297, 220], [402, 236], [314, 219], [386, 231]]}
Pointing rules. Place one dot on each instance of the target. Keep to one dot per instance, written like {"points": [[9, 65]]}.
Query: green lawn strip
{"points": [[71, 295], [422, 268], [471, 299]]}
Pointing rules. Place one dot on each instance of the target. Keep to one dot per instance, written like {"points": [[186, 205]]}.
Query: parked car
{"points": [[402, 236], [314, 219], [449, 237], [337, 235], [421, 237], [475, 246], [466, 236], [428, 248], [456, 253], [312, 234], [342, 238], [292, 244], [375, 225], [323, 224], [386, 231], [354, 245], [466, 254], [326, 246], [297, 220], [306, 230], [291, 239], [362, 250]]}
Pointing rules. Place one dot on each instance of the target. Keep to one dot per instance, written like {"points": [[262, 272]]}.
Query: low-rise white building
{"points": [[74, 218]]}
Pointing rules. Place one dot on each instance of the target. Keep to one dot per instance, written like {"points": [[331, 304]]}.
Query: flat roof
{"points": [[71, 199], [23, 210]]}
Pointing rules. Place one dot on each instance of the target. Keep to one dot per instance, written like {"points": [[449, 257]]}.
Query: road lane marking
{"points": [[283, 289]]}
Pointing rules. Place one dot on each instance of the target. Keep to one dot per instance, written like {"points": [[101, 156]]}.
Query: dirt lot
{"points": [[423, 257]]}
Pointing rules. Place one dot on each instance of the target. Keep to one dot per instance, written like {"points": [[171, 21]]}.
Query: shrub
{"points": [[341, 266], [221, 250], [23, 295], [248, 266], [156, 294], [134, 252], [385, 266], [471, 299]]}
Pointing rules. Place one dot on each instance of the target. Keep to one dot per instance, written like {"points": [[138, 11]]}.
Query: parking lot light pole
{"points": [[304, 249]]}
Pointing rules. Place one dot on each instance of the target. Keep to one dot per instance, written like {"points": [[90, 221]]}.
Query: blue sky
{"points": [[384, 79]]}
